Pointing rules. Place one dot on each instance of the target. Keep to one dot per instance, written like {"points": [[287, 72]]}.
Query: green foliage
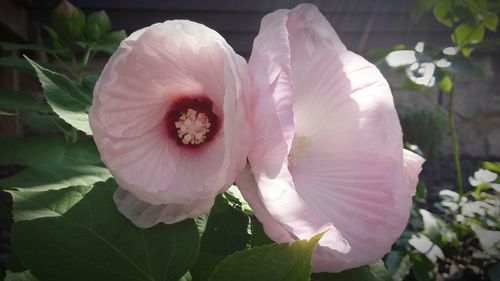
{"points": [[424, 127], [17, 100], [66, 222], [271, 262], [226, 232], [466, 18], [65, 97], [465, 231]]}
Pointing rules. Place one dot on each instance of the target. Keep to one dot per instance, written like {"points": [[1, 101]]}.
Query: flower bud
{"points": [[98, 24], [68, 21]]}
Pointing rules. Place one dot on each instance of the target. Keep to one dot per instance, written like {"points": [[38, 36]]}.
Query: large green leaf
{"points": [[17, 100], [66, 99], [47, 151], [78, 234], [226, 232], [57, 177], [259, 237], [44, 123], [285, 262], [374, 272]]}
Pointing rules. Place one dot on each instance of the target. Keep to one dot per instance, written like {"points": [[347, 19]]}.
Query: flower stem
{"points": [[456, 151]]}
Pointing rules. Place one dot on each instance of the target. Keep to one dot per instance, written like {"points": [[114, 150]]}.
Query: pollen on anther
{"points": [[297, 151], [193, 127]]}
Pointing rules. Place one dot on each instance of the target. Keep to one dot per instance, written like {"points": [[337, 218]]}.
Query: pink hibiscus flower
{"points": [[169, 121], [328, 151]]}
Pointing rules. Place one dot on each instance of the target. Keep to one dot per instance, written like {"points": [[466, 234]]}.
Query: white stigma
{"points": [[193, 127], [299, 145]]}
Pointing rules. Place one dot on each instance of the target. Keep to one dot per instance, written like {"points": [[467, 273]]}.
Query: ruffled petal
{"points": [[153, 68], [285, 216], [146, 215], [273, 124], [413, 166], [347, 166]]}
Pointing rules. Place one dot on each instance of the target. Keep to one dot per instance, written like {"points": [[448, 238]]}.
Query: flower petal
{"points": [[153, 68], [350, 171], [146, 215]]}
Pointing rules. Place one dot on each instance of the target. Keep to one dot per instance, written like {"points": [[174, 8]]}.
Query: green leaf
{"points": [[491, 21], [421, 192], [56, 177], [226, 232], [44, 123], [8, 46], [13, 263], [446, 84], [17, 100], [66, 99], [78, 234], [47, 151], [464, 66], [20, 276], [393, 260], [442, 12], [492, 166], [375, 272], [18, 64], [115, 36], [403, 269], [467, 33], [186, 277], [271, 262], [422, 267], [259, 237], [110, 42], [419, 8]]}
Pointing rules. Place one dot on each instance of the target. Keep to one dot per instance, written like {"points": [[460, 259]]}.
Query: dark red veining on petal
{"points": [[201, 104]]}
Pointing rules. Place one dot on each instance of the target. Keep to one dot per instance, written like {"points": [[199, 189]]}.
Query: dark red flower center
{"points": [[191, 122]]}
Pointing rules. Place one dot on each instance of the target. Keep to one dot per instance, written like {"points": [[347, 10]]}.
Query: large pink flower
{"points": [[169, 121], [328, 151]]}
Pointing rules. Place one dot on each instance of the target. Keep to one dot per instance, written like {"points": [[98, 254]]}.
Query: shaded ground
{"points": [[439, 173]]}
